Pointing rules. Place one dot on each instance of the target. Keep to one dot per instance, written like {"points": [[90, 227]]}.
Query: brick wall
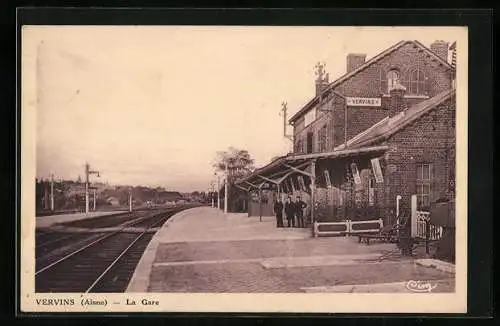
{"points": [[431, 139], [367, 83], [333, 120]]}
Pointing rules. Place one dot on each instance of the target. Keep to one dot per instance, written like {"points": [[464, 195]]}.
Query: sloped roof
{"points": [[389, 126], [282, 165], [368, 63]]}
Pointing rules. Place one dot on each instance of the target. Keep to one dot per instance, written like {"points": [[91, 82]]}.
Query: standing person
{"points": [[290, 212], [278, 211], [299, 211]]}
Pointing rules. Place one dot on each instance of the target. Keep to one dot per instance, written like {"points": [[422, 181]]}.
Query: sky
{"points": [[153, 105]]}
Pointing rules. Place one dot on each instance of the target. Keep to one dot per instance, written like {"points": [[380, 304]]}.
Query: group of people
{"points": [[294, 212]]}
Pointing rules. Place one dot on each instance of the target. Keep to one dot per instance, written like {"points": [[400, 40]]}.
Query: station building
{"points": [[384, 130]]}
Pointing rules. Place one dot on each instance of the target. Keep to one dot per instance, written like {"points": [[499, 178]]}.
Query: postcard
{"points": [[243, 169]]}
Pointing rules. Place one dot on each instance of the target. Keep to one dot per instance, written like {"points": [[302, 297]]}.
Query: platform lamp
{"points": [[218, 189], [212, 186]]}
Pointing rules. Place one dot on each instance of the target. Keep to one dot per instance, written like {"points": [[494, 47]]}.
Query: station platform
{"points": [[203, 250], [49, 220]]}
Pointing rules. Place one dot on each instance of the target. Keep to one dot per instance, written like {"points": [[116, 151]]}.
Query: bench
{"points": [[366, 238]]}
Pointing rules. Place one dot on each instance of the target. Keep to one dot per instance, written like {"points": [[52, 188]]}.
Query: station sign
{"points": [[363, 101]]}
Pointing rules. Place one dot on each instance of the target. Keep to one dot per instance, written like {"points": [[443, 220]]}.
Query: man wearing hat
{"points": [[299, 211], [290, 212]]}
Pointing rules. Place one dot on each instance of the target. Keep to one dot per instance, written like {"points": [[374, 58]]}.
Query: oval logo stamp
{"points": [[420, 286]]}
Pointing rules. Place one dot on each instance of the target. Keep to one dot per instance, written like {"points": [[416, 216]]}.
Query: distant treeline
{"points": [[70, 195]]}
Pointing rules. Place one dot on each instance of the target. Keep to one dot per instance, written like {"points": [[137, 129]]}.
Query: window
{"points": [[309, 117], [322, 139], [383, 82], [424, 185], [388, 80], [392, 79], [309, 144], [328, 137], [298, 146], [417, 82]]}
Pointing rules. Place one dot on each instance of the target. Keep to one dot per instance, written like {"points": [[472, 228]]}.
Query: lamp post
{"points": [[212, 193], [218, 188]]}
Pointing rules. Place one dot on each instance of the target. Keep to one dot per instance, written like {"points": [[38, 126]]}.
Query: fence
{"points": [[419, 221], [347, 227]]}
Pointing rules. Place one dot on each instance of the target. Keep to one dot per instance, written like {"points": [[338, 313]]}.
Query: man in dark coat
{"points": [[299, 211], [290, 212], [278, 211]]}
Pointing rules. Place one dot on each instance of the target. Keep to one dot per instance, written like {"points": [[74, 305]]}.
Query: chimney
{"points": [[354, 60], [397, 101], [321, 78], [441, 49]]}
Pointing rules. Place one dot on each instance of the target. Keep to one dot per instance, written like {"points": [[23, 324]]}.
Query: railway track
{"points": [[53, 243], [103, 263]]}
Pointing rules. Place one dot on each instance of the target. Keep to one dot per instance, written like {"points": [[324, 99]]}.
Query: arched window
{"points": [[389, 79], [417, 82], [392, 79]]}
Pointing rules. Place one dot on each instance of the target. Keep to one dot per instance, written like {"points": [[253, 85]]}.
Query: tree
{"points": [[238, 162]]}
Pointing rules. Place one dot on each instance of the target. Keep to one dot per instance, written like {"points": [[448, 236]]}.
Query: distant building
{"points": [[113, 201]]}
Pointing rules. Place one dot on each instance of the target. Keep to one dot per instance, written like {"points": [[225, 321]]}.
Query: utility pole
{"points": [[52, 192], [284, 109], [94, 198], [88, 172], [130, 200], [225, 190]]}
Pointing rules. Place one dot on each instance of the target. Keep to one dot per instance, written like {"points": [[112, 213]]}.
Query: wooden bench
{"points": [[366, 238]]}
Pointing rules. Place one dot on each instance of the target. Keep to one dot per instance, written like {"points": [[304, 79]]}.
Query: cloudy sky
{"points": [[153, 105]]}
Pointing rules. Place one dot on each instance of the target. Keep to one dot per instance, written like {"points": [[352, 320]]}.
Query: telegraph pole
{"points": [[225, 190], [130, 200], [52, 192], [284, 109], [88, 172]]}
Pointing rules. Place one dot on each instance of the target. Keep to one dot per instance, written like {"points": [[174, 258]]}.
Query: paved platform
{"points": [[47, 221], [202, 250]]}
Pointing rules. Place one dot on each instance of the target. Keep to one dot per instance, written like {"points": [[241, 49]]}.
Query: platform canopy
{"points": [[283, 167]]}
